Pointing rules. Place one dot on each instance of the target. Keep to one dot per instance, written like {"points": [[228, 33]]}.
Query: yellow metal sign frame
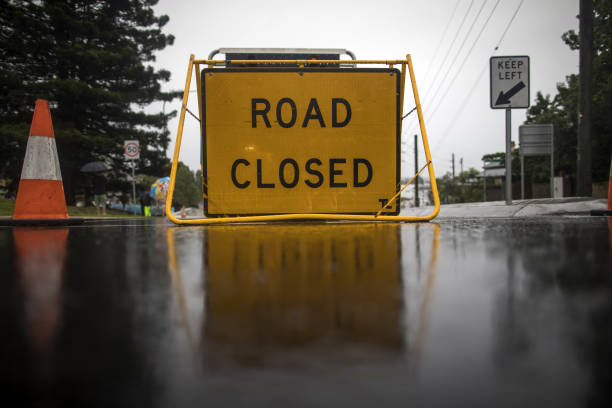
{"points": [[406, 65]]}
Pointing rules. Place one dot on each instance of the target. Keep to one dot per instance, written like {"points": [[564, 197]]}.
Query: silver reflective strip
{"points": [[41, 161]]}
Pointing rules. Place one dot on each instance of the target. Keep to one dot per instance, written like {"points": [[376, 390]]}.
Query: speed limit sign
{"points": [[131, 150]]}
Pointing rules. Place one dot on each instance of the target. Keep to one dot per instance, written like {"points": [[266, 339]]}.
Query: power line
{"points": [[435, 54], [446, 55], [450, 67], [508, 26], [462, 65], [479, 76], [451, 46], [469, 94], [462, 105]]}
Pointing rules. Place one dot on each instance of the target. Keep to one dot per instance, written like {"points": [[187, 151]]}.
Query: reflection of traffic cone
{"points": [[40, 257], [609, 210], [40, 197], [40, 260]]}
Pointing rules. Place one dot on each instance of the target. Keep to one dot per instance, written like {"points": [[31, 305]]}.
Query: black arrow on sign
{"points": [[504, 98]]}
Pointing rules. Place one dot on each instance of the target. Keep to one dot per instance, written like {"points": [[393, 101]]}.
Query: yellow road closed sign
{"points": [[289, 140]]}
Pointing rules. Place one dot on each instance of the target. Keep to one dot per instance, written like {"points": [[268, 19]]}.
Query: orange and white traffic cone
{"points": [[607, 212], [40, 197]]}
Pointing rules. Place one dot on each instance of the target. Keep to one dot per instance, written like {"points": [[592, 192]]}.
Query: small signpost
{"points": [[509, 90], [131, 151], [536, 140]]}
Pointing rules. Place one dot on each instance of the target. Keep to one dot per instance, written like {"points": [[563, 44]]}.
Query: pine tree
{"points": [[92, 59]]}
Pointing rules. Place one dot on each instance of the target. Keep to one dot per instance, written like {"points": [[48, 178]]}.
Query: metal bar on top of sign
{"points": [[195, 64]]}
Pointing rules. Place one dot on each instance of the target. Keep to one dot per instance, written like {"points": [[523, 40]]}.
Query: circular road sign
{"points": [[131, 150]]}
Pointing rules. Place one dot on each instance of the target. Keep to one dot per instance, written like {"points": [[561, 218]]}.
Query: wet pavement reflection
{"points": [[456, 313]]}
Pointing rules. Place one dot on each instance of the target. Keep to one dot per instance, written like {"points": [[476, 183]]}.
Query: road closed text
{"points": [[314, 173]]}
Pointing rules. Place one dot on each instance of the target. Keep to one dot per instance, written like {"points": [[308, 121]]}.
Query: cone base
{"points": [[40, 199], [41, 222], [601, 213]]}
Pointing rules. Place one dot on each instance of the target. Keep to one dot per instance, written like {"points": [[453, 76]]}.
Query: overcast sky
{"points": [[451, 59]]}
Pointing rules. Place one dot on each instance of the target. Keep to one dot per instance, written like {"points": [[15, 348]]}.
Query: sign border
{"points": [[528, 82], [216, 71], [126, 143]]}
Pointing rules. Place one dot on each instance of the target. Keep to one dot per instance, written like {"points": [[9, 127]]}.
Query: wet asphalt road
{"points": [[493, 313]]}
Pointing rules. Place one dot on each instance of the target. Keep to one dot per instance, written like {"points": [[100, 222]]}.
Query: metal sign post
{"points": [[131, 151], [509, 90], [508, 191]]}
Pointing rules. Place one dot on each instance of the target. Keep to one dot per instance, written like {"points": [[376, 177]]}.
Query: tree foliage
{"points": [[465, 188], [500, 157], [187, 191], [562, 110], [91, 59]]}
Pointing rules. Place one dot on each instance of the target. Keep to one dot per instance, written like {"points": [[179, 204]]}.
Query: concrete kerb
{"points": [[519, 208], [491, 209]]}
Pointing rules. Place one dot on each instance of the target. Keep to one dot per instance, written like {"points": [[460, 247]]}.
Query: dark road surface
{"points": [[459, 313]]}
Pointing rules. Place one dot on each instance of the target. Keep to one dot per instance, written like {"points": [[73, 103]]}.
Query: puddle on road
{"points": [[503, 312]]}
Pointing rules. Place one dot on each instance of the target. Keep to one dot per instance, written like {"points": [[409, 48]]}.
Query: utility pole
{"points": [[453, 159], [585, 92], [461, 164], [416, 170]]}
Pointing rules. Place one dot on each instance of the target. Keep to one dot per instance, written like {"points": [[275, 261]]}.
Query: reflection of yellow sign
{"points": [[271, 288], [271, 285], [300, 141]]}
